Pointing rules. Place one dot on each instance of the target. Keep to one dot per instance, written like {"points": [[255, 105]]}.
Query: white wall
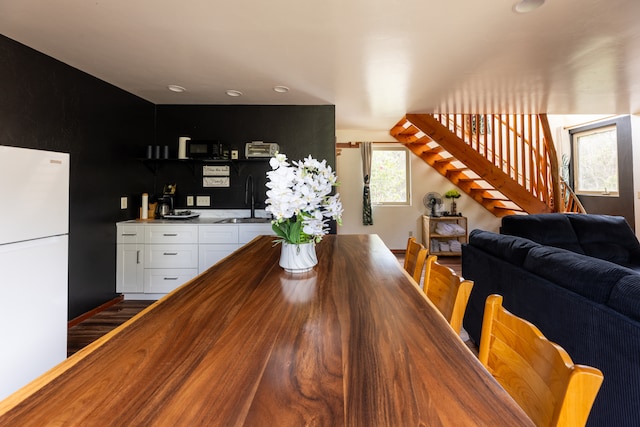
{"points": [[395, 223]]}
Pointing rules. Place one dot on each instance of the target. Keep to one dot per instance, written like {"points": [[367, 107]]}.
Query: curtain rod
{"points": [[356, 144]]}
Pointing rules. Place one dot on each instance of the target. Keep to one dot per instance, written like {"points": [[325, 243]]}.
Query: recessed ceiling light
{"points": [[233, 92], [526, 6], [176, 88], [281, 89]]}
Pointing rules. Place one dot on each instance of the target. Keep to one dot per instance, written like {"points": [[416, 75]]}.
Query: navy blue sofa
{"points": [[579, 287]]}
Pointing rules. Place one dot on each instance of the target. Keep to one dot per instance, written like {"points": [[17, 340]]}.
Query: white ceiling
{"points": [[374, 59]]}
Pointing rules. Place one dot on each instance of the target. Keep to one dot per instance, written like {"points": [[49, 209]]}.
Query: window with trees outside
{"points": [[390, 176], [596, 162]]}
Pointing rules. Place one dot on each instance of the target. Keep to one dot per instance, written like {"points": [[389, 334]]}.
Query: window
{"points": [[596, 162], [390, 172]]}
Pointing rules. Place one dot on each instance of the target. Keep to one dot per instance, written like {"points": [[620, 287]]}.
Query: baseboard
{"points": [[91, 313]]}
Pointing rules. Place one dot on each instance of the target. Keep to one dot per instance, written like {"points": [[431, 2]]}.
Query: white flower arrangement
{"points": [[298, 198]]}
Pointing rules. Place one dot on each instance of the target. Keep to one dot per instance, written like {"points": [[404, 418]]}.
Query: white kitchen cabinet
{"points": [[154, 258], [164, 280], [218, 234], [209, 254], [129, 258], [170, 256], [216, 241], [249, 232], [167, 234], [219, 241]]}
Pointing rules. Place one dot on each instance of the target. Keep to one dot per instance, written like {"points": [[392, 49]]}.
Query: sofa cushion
{"points": [[512, 249], [625, 296], [590, 277], [553, 229], [605, 237]]}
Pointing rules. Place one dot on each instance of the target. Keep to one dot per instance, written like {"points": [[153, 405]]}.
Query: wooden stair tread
{"points": [[458, 160]]}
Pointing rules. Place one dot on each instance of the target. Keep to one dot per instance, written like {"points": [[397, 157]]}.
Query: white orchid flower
{"points": [[299, 193]]}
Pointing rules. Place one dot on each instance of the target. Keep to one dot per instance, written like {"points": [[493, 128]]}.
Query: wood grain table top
{"points": [[352, 343]]}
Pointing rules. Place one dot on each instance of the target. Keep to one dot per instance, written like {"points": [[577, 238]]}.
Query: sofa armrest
{"points": [[606, 237], [511, 249]]}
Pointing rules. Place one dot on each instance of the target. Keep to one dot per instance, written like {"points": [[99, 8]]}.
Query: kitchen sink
{"points": [[244, 221]]}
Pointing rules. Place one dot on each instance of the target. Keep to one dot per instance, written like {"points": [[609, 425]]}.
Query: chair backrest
{"points": [[414, 258], [537, 373], [447, 291]]}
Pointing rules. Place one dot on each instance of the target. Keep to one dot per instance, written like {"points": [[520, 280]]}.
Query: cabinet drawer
{"points": [[218, 234], [171, 256], [130, 234], [249, 232], [160, 234], [163, 280]]}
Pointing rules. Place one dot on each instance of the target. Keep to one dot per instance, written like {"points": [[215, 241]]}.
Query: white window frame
{"points": [[605, 192], [407, 201]]}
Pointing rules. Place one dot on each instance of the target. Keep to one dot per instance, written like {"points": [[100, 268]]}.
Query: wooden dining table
{"points": [[354, 342]]}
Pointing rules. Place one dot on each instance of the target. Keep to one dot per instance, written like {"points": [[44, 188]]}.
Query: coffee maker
{"points": [[164, 204]]}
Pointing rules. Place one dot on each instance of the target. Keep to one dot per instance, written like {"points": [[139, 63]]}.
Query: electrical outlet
{"points": [[410, 233], [203, 200], [123, 202], [189, 200]]}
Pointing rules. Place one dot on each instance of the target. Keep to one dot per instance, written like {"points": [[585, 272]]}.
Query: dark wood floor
{"points": [[98, 325]]}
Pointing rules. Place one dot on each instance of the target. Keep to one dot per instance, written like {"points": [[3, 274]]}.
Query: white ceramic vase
{"points": [[298, 258]]}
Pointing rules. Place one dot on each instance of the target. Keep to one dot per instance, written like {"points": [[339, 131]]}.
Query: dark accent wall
{"points": [[300, 131], [46, 104]]}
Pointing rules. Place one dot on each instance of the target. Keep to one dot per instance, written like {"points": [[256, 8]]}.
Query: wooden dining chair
{"points": [[447, 291], [538, 374], [414, 258]]}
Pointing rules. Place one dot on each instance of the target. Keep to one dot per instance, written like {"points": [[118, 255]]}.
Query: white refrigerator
{"points": [[34, 227]]}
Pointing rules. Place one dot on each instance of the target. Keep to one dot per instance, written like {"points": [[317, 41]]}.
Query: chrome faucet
{"points": [[249, 193]]}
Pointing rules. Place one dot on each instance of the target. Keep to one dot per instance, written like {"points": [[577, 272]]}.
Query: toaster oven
{"points": [[260, 149]]}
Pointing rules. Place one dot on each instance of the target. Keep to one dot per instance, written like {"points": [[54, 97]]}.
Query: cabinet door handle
{"points": [[170, 253], [170, 278], [138, 257], [170, 234], [129, 234]]}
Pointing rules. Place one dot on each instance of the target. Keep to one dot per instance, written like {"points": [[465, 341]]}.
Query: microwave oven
{"points": [[204, 149]]}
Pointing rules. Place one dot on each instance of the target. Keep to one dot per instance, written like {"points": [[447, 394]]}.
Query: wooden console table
{"points": [[352, 343]]}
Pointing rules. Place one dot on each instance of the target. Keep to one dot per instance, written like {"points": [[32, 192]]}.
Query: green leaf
{"points": [[294, 232], [278, 229]]}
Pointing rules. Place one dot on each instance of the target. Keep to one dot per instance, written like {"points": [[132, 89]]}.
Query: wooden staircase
{"points": [[507, 163]]}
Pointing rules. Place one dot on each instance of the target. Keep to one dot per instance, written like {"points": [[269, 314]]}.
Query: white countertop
{"points": [[207, 216]]}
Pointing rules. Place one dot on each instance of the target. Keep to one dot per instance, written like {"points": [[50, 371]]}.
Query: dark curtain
{"points": [[365, 151]]}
